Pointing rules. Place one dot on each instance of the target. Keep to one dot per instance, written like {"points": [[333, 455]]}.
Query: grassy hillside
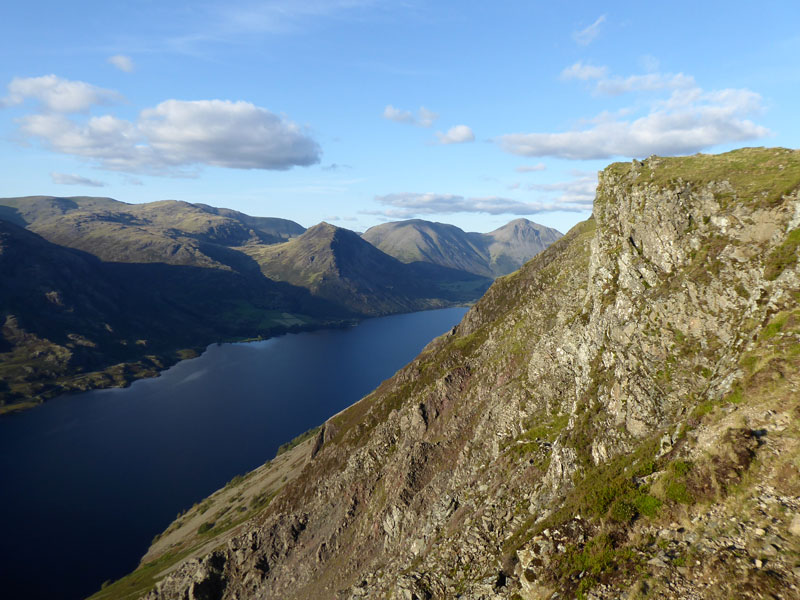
{"points": [[97, 292], [336, 264], [72, 321]]}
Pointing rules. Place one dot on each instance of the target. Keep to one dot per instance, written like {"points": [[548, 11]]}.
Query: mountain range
{"points": [[489, 254], [619, 418], [96, 292]]}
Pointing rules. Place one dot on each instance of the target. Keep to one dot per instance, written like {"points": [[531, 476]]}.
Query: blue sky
{"points": [[363, 111]]}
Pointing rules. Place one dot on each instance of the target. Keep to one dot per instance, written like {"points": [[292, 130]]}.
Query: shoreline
{"points": [[123, 375]]}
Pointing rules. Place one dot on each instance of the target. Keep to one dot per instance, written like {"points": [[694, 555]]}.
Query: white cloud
{"points": [[408, 205], [650, 82], [55, 94], [424, 118], [687, 121], [176, 135], [586, 36], [531, 168], [70, 179], [583, 72], [122, 62], [458, 134], [615, 86], [115, 143], [397, 115], [578, 192], [222, 133]]}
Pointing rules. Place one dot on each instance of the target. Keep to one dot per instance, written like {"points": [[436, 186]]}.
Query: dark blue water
{"points": [[87, 480]]}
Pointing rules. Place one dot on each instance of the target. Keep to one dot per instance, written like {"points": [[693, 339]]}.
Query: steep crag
{"points": [[618, 418]]}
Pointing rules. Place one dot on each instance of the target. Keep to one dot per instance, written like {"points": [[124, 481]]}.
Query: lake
{"points": [[87, 480]]}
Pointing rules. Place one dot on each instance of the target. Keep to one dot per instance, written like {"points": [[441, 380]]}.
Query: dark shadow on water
{"points": [[89, 479]]}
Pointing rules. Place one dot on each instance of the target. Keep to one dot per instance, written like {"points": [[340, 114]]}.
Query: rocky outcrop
{"points": [[619, 418]]}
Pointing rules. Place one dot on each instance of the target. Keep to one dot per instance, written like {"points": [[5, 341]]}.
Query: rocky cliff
{"points": [[618, 418]]}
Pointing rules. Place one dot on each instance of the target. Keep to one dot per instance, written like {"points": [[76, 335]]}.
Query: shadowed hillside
{"points": [[97, 292], [336, 264]]}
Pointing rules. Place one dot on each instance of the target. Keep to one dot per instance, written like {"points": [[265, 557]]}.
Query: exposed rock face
{"points": [[618, 418]]}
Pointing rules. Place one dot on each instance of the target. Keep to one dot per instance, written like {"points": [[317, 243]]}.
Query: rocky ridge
{"points": [[618, 418]]}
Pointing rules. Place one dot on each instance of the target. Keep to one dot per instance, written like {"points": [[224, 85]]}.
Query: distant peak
{"points": [[322, 227]]}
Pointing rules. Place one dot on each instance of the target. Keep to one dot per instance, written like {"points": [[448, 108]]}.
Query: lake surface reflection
{"points": [[87, 480]]}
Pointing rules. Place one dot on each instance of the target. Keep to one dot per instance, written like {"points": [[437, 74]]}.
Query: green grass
{"points": [[140, 581], [298, 440], [206, 527], [755, 174], [674, 483], [784, 256]]}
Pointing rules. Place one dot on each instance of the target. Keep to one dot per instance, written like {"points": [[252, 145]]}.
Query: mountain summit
{"points": [[338, 265], [489, 254]]}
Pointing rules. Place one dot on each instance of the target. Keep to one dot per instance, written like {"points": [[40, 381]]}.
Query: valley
{"points": [[98, 293]]}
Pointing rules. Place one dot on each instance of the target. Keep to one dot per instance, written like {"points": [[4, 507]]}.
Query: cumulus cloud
{"points": [[408, 205], [222, 133], [583, 72], [458, 134], [115, 143], [55, 94], [531, 168], [122, 62], [168, 138], [423, 118], [397, 115], [70, 179], [688, 121], [586, 36]]}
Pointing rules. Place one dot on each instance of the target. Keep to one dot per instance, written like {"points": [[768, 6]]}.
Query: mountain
{"points": [[618, 418], [437, 243], [71, 321], [337, 265], [489, 254], [97, 292], [168, 231], [515, 243]]}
